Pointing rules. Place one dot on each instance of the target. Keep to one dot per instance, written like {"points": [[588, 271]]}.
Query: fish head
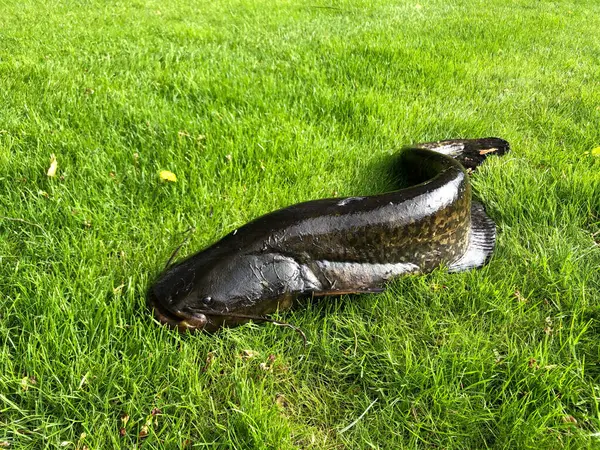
{"points": [[209, 293]]}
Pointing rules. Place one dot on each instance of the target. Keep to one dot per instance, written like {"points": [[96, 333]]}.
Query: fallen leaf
{"points": [[81, 438], [437, 287], [53, 166], [498, 356], [167, 175], [144, 431], [281, 401], [4, 444], [570, 419], [533, 363], [596, 151], [520, 297], [209, 359], [248, 354], [548, 327]]}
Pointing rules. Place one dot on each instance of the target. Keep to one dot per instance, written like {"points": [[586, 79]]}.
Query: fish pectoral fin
{"points": [[336, 292]]}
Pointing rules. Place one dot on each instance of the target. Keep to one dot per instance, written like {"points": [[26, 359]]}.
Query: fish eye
{"points": [[207, 300]]}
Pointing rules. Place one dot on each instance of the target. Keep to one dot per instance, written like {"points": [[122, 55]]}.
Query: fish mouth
{"points": [[179, 320], [193, 321]]}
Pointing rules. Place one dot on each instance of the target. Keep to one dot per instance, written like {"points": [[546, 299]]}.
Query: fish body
{"points": [[337, 245]]}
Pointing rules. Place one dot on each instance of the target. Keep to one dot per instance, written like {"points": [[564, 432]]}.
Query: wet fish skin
{"points": [[337, 245]]}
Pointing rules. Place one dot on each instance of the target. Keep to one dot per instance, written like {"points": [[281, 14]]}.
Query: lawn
{"points": [[256, 105]]}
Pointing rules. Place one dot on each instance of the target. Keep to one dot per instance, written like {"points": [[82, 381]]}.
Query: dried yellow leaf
{"points": [[167, 175], [53, 166], [248, 354], [281, 401]]}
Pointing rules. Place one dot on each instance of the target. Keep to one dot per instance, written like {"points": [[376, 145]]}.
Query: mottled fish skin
{"points": [[337, 245]]}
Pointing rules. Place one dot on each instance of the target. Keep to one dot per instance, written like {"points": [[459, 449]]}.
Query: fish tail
{"points": [[471, 153]]}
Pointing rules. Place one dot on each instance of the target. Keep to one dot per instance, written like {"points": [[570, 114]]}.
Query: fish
{"points": [[337, 246]]}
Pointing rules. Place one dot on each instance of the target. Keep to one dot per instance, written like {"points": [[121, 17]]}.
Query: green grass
{"points": [[256, 105]]}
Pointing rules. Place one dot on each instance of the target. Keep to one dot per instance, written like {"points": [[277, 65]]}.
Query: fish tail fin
{"points": [[482, 238], [471, 153]]}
